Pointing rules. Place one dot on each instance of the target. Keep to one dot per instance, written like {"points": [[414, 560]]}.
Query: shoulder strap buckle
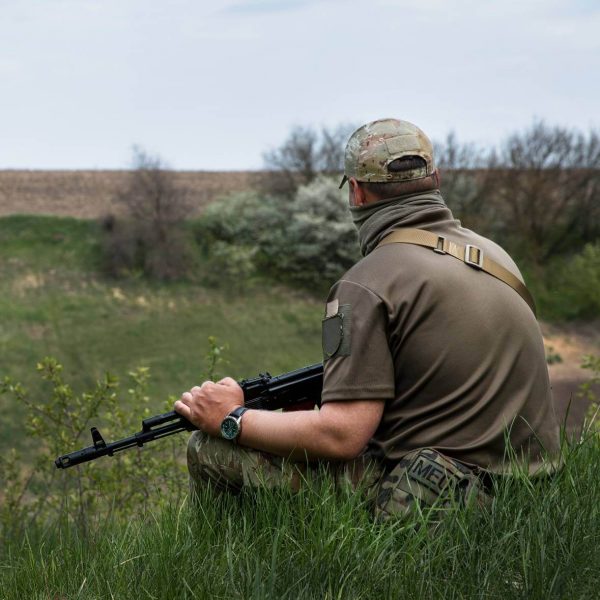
{"points": [[478, 262], [440, 245]]}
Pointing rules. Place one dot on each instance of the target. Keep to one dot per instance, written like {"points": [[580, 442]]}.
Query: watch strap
{"points": [[237, 412]]}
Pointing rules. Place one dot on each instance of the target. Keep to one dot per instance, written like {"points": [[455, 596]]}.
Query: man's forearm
{"points": [[293, 435], [327, 434]]}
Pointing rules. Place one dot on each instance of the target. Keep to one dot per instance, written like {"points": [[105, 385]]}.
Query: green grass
{"points": [[535, 541], [54, 302], [37, 241]]}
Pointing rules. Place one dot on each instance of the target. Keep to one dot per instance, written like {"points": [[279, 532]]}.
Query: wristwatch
{"points": [[231, 426]]}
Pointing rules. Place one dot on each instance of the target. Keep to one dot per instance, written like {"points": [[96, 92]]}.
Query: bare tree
{"points": [[304, 155], [463, 181], [149, 236], [333, 146], [546, 184]]}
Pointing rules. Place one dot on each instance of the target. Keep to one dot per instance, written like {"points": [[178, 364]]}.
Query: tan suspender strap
{"points": [[469, 254]]}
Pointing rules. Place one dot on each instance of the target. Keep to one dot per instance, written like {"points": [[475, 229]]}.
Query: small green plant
{"points": [[127, 483], [58, 425], [587, 390], [552, 357], [213, 358]]}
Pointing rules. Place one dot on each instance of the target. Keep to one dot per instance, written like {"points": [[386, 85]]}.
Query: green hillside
{"points": [[53, 301]]}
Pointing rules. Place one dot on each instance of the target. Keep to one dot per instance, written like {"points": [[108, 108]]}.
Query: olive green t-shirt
{"points": [[456, 354]]}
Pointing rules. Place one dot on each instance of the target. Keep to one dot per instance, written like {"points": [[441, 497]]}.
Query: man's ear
{"points": [[437, 178], [357, 194]]}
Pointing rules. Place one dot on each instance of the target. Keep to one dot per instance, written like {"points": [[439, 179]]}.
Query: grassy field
{"points": [[537, 541], [53, 302]]}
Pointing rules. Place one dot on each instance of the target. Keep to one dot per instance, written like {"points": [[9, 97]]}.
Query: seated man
{"points": [[434, 363]]}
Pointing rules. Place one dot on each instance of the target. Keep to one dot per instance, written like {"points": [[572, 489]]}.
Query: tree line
{"points": [[537, 193]]}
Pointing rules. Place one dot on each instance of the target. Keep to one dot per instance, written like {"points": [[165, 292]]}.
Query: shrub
{"points": [[60, 424], [569, 288], [131, 482], [308, 241], [240, 219], [315, 240], [582, 279], [228, 237], [148, 236]]}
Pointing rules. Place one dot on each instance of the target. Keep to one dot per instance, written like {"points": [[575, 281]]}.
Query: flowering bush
{"points": [[309, 240]]}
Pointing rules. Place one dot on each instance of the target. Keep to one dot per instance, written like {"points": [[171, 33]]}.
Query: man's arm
{"points": [[339, 431]]}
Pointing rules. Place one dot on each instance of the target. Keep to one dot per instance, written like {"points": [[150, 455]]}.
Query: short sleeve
{"points": [[358, 366]]}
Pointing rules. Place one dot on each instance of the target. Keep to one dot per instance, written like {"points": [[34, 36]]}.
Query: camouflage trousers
{"points": [[422, 478]]}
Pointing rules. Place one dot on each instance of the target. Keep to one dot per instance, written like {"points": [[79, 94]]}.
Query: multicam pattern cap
{"points": [[372, 147]]}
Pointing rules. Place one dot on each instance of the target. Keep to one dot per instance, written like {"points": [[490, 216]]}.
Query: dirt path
{"points": [[570, 342]]}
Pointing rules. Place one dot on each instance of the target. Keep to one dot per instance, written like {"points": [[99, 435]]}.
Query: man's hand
{"points": [[207, 405]]}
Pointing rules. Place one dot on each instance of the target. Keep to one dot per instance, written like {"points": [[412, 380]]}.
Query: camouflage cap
{"points": [[372, 147]]}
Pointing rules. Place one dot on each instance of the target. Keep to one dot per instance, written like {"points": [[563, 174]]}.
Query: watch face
{"points": [[230, 428]]}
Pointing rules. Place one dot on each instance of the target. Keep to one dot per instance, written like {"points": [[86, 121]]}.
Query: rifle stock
{"points": [[295, 390]]}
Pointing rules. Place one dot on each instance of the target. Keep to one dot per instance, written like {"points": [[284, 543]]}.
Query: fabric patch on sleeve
{"points": [[336, 330], [332, 308]]}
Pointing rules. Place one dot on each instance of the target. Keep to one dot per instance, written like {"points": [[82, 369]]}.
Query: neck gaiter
{"points": [[374, 221]]}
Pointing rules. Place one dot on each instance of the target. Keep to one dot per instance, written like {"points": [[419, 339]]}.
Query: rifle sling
{"points": [[470, 254]]}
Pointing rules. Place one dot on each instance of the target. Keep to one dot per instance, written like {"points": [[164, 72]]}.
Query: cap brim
{"points": [[344, 179]]}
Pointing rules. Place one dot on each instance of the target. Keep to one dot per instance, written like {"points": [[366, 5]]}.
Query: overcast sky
{"points": [[211, 85]]}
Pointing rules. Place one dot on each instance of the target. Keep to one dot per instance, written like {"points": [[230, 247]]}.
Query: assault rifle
{"points": [[294, 390]]}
